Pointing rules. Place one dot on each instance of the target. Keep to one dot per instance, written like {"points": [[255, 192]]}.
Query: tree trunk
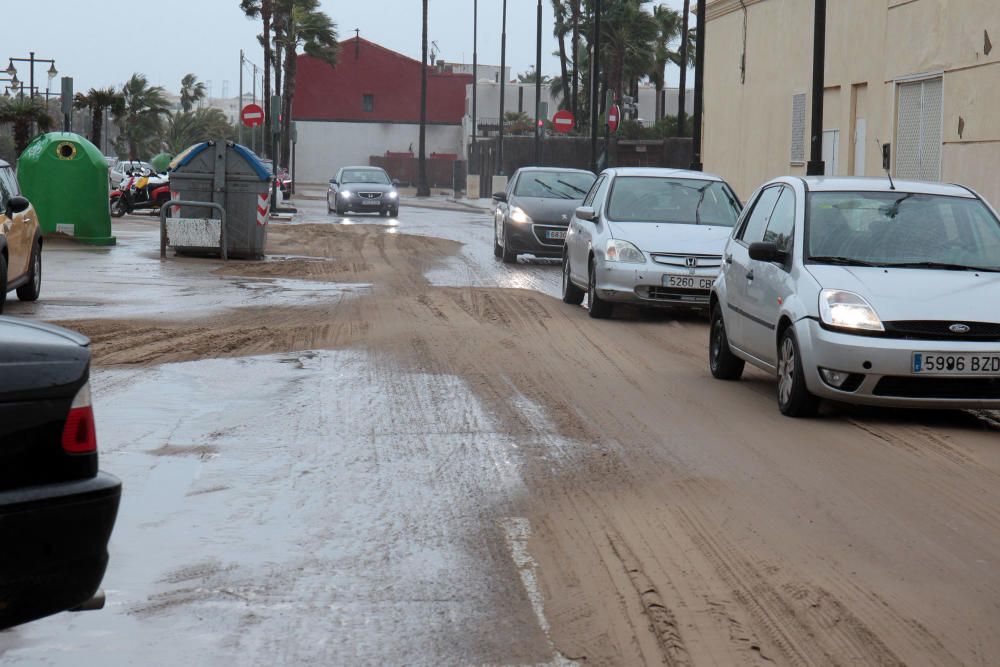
{"points": [[682, 88], [564, 71], [265, 14], [96, 124], [423, 190]]}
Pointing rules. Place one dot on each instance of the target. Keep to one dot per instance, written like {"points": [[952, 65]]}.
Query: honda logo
{"points": [[960, 328]]}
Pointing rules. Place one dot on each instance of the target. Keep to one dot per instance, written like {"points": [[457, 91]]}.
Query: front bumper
{"points": [[888, 379], [357, 204], [644, 284], [531, 238], [55, 546]]}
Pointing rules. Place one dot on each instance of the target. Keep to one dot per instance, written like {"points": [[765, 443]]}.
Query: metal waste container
{"points": [[230, 175]]}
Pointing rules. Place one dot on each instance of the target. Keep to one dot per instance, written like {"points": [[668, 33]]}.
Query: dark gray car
{"points": [[364, 190], [532, 214]]}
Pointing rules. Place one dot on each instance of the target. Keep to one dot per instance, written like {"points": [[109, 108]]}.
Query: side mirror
{"points": [[499, 196], [767, 252], [586, 213], [333, 181], [17, 205], [396, 183]]}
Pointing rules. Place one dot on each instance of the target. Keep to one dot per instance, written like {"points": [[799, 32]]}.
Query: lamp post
{"points": [[503, 84], [699, 89], [475, 65], [538, 88], [815, 166], [595, 84], [31, 59]]}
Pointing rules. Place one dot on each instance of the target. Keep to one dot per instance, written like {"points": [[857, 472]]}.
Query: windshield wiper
{"points": [[571, 186], [841, 261], [701, 199], [558, 193], [941, 265]]}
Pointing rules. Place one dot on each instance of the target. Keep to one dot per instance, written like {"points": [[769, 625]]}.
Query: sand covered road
{"points": [[676, 519]]}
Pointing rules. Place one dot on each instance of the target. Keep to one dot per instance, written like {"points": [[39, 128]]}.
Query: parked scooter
{"points": [[140, 191]]}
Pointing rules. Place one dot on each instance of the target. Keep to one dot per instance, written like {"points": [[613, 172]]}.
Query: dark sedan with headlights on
{"points": [[532, 214], [362, 190]]}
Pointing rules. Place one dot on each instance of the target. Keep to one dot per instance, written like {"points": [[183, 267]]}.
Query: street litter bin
{"points": [[66, 179], [230, 175]]}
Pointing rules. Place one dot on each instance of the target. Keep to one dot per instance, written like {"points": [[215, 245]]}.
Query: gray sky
{"points": [[205, 36]]}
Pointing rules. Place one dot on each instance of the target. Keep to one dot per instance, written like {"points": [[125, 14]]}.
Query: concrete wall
{"points": [[325, 147], [872, 47]]}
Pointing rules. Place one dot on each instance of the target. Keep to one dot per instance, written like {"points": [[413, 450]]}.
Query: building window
{"points": [[798, 155], [918, 130], [368, 103]]}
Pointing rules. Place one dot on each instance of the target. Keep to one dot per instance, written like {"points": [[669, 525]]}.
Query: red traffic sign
{"points": [[252, 115], [563, 121], [614, 117]]}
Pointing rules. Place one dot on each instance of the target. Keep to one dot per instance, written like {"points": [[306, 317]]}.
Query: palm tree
{"points": [[264, 10], [23, 113], [192, 91], [530, 76], [307, 26], [668, 23], [140, 116], [97, 100], [185, 128], [562, 29], [423, 190], [629, 35]]}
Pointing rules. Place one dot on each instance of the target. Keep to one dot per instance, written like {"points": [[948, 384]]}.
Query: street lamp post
{"points": [[816, 167], [31, 59], [475, 65], [681, 89], [503, 82], [538, 88], [595, 84], [699, 89]]}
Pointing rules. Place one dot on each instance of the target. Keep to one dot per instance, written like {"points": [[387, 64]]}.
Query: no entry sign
{"points": [[252, 115], [614, 117], [563, 121]]}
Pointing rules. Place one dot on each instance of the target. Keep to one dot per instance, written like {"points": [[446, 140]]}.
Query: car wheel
{"points": [[571, 294], [328, 209], [596, 306], [395, 212], [340, 209], [721, 361], [118, 207], [507, 255], [794, 399], [3, 282], [30, 290]]}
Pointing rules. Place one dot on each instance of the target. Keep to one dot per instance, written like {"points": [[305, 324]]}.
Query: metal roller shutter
{"points": [[918, 130]]}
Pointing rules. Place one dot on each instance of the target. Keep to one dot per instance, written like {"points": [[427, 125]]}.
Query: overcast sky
{"points": [[94, 41]]}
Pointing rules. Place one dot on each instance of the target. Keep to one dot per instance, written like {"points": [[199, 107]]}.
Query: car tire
{"points": [[118, 207], [507, 255], [3, 282], [340, 209], [794, 399], [395, 212], [571, 294], [721, 361], [30, 290], [597, 307]]}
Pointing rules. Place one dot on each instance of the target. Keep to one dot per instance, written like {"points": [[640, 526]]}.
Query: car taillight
{"points": [[79, 435]]}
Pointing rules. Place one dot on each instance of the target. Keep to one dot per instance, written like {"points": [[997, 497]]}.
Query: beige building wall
{"points": [[873, 48]]}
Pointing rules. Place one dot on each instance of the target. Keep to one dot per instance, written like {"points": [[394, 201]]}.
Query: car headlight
{"points": [[345, 193], [623, 251], [393, 195], [517, 214], [846, 310]]}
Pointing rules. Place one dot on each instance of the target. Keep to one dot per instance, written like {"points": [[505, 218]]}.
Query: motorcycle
{"points": [[140, 191]]}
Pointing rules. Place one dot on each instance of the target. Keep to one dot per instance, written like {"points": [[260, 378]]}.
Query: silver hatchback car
{"points": [[651, 237], [863, 291]]}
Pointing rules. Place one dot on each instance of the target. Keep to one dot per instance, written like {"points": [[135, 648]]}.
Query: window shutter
{"points": [[798, 155]]}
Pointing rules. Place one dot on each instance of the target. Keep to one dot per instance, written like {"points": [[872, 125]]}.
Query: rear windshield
{"points": [[365, 176], [899, 228], [554, 185], [681, 201]]}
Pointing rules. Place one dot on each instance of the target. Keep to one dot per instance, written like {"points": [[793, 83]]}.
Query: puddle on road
{"points": [[348, 508]]}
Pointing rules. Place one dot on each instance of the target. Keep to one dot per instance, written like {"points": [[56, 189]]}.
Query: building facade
{"points": [[368, 106], [920, 75]]}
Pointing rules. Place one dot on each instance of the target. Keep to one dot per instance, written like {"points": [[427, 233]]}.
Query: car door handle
{"points": [[750, 276], [729, 259]]}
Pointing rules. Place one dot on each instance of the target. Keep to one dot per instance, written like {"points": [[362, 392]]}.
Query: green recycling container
{"points": [[66, 179], [161, 163]]}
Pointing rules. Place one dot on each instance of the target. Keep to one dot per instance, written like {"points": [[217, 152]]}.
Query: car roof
{"points": [[870, 184], [559, 170], [370, 168], [663, 173]]}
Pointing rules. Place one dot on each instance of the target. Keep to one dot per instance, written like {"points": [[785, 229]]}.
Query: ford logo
{"points": [[960, 328]]}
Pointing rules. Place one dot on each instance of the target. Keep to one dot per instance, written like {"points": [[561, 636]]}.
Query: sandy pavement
{"points": [[676, 519]]}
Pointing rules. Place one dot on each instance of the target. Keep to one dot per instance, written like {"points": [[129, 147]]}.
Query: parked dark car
{"points": [[56, 509], [532, 214]]}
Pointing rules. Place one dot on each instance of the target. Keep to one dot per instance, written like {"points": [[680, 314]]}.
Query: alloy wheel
{"points": [[786, 371]]}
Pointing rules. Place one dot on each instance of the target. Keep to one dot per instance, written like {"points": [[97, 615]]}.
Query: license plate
{"points": [[556, 234], [370, 202], [944, 363], [688, 282]]}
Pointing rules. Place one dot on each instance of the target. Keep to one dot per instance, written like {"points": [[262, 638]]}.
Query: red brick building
{"points": [[369, 105]]}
